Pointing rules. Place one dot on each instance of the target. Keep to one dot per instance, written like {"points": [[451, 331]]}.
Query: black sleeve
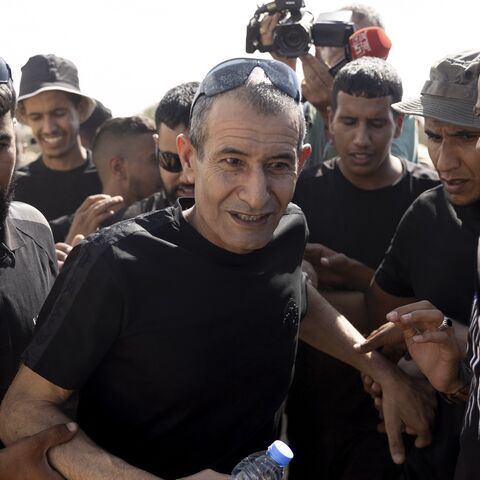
{"points": [[394, 273], [80, 320]]}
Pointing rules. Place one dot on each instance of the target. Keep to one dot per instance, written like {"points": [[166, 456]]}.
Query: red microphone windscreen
{"points": [[370, 42]]}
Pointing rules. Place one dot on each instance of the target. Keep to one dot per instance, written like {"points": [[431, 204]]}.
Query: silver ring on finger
{"points": [[445, 325]]}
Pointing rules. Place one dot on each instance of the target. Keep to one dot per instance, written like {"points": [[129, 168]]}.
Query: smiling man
{"points": [[173, 382], [50, 102]]}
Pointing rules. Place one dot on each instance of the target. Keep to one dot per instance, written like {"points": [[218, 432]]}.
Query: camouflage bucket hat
{"points": [[451, 92]]}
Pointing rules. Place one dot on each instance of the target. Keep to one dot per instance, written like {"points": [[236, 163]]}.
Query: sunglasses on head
{"points": [[5, 72], [169, 161], [233, 73]]}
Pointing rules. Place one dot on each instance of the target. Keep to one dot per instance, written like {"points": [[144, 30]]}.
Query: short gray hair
{"points": [[259, 93]]}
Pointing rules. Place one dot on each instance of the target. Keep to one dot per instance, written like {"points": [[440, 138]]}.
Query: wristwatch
{"points": [[460, 394]]}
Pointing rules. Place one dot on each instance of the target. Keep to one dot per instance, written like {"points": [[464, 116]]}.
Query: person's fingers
{"points": [[105, 205], [385, 336], [56, 435], [77, 239], [423, 439], [376, 388], [393, 429], [335, 261], [63, 247], [61, 256], [394, 315], [426, 319], [91, 200], [430, 337]]}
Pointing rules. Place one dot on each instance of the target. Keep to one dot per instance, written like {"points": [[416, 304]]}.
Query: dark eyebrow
{"points": [[280, 156], [231, 151], [5, 136], [462, 133]]}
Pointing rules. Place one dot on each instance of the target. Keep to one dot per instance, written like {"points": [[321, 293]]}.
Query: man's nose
{"points": [[255, 191], [362, 136]]}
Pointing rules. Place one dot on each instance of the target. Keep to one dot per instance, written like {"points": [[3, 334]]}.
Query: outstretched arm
{"points": [[325, 329]]}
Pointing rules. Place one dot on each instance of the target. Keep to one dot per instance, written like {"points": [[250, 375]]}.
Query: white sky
{"points": [[129, 53]]}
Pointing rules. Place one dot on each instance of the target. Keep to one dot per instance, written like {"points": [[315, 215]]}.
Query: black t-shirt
{"points": [[432, 257], [27, 271], [56, 192], [182, 351], [359, 223]]}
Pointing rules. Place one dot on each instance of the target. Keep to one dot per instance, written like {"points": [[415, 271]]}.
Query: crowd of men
{"points": [[173, 290]]}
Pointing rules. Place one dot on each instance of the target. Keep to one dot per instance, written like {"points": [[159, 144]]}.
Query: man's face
{"points": [[55, 122], [362, 130], [176, 184], [7, 163], [247, 174], [452, 150], [143, 176]]}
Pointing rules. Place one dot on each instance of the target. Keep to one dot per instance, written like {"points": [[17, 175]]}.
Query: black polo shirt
{"points": [[27, 270]]}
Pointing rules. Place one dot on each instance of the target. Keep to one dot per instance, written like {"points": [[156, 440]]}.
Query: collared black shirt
{"points": [[27, 270]]}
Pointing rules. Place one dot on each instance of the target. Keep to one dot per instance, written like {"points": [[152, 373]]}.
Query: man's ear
{"points": [[303, 155], [83, 109], [331, 115], [398, 124], [188, 156], [117, 166]]}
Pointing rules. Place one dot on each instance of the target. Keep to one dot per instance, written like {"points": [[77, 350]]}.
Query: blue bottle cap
{"points": [[280, 452]]}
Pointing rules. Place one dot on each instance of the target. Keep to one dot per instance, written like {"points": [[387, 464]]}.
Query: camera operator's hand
{"points": [[267, 26], [317, 82]]}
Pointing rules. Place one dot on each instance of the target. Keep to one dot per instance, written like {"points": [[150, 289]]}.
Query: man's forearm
{"points": [[327, 330], [79, 459]]}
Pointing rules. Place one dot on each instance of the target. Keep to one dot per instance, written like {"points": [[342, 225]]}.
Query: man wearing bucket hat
{"points": [[432, 257], [51, 103]]}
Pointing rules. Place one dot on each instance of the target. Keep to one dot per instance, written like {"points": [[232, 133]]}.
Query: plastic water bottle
{"points": [[269, 465]]}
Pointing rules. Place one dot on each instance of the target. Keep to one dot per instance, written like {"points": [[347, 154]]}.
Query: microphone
{"points": [[370, 42]]}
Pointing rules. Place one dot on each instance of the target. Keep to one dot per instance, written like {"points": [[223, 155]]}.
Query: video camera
{"points": [[296, 31]]}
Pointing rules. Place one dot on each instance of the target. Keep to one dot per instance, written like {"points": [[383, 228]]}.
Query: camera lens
{"points": [[291, 40]]}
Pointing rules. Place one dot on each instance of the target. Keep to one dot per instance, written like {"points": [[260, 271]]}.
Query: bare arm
{"points": [[325, 329], [31, 405]]}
